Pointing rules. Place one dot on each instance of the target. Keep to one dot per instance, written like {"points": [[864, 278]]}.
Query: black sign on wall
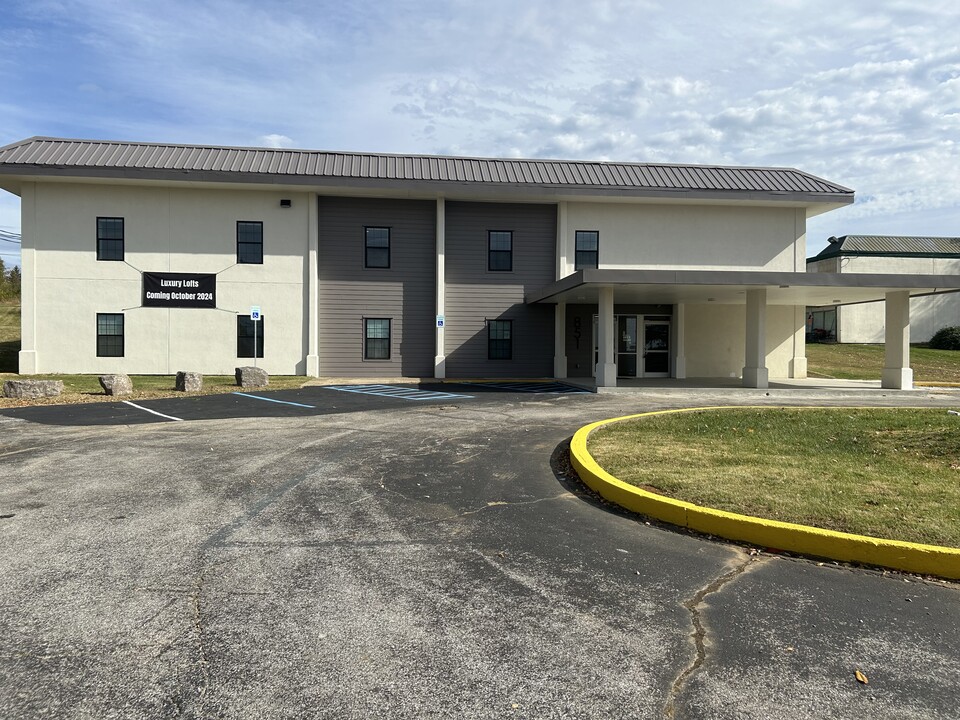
{"points": [[179, 290]]}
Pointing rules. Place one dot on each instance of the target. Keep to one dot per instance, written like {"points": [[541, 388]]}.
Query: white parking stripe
{"points": [[396, 392], [152, 412]]}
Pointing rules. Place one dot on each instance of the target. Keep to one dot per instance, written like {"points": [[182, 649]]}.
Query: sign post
{"points": [[255, 317]]}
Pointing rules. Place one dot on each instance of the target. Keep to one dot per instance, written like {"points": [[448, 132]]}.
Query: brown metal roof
{"points": [[45, 154], [890, 246]]}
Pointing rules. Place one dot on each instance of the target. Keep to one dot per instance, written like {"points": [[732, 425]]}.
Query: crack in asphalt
{"points": [[699, 634]]}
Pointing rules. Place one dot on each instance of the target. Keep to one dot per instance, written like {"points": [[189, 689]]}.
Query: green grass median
{"points": [[891, 473]]}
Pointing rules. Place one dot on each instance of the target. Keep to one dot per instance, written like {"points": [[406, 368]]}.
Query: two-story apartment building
{"points": [[148, 258]]}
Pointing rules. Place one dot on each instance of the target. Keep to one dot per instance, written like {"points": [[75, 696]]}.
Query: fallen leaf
{"points": [[861, 678]]}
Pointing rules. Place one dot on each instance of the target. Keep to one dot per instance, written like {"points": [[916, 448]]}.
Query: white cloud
{"points": [[276, 141], [866, 94]]}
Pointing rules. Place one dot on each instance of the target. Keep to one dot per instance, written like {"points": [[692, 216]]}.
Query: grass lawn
{"points": [[86, 388], [865, 362], [881, 472]]}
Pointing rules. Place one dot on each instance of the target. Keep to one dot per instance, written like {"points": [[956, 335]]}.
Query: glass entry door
{"points": [[633, 332], [626, 345], [656, 348]]}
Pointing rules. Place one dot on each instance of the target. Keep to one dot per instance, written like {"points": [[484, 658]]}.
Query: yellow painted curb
{"points": [[802, 539]]}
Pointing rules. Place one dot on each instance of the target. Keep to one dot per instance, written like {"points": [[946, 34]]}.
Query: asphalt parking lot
{"points": [[375, 556]]}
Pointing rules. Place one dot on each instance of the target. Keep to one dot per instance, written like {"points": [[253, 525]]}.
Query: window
{"points": [[109, 334], [500, 250], [376, 338], [377, 247], [587, 249], [500, 339], [249, 244], [245, 336], [109, 238]]}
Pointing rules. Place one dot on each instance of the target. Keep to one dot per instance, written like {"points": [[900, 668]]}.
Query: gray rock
{"points": [[252, 377], [116, 384], [32, 388], [189, 381]]}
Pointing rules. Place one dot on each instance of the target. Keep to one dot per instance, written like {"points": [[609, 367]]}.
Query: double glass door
{"points": [[641, 347]]}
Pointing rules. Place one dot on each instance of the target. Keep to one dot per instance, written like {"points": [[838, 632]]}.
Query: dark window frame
{"points": [[377, 249], [586, 263], [245, 336], [499, 253], [107, 343], [496, 345], [367, 355], [107, 243], [249, 252]]}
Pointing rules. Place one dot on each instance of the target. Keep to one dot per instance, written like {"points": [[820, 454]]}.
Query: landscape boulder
{"points": [[189, 381], [24, 389], [252, 377], [116, 384]]}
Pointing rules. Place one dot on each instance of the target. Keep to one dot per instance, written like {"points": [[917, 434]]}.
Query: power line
{"points": [[10, 237]]}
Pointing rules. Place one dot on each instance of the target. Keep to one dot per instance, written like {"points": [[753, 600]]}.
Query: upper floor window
{"points": [[250, 242], [376, 247], [500, 250], [109, 334], [587, 250], [109, 238]]}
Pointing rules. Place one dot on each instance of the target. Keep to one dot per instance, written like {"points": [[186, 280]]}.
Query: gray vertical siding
{"points": [[475, 295], [406, 292]]}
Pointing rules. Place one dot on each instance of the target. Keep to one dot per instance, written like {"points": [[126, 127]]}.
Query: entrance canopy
{"points": [[729, 287], [756, 291]]}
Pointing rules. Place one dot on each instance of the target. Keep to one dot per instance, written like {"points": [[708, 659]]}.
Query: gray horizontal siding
{"points": [[475, 295], [405, 292]]}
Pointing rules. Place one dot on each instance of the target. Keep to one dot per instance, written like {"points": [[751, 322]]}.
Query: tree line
{"points": [[9, 282]]}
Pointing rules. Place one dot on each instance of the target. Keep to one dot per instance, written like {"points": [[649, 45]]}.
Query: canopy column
{"points": [[560, 340], [606, 369], [755, 373], [897, 373]]}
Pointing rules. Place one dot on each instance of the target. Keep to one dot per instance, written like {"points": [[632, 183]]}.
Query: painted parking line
{"points": [[397, 392], [544, 388], [152, 412], [282, 402]]}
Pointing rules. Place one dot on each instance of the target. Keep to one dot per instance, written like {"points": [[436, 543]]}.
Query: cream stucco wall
{"points": [[167, 229], [715, 338], [704, 237], [864, 323]]}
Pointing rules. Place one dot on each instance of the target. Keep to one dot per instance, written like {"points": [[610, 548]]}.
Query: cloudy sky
{"points": [[862, 92]]}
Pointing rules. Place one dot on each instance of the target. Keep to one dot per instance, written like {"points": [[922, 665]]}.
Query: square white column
{"points": [[560, 340], [606, 366], [755, 373], [440, 359], [897, 374], [679, 344]]}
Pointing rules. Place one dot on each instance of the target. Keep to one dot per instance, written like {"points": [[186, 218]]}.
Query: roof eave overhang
{"points": [[729, 287], [816, 202]]}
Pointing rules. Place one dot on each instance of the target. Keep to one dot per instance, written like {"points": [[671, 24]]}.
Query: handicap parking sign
{"points": [[255, 312]]}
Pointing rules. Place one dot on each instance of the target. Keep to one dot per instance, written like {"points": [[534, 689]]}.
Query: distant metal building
{"points": [[864, 322]]}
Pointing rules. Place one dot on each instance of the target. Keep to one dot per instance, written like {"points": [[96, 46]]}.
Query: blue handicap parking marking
{"points": [[545, 388], [274, 400], [397, 392]]}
